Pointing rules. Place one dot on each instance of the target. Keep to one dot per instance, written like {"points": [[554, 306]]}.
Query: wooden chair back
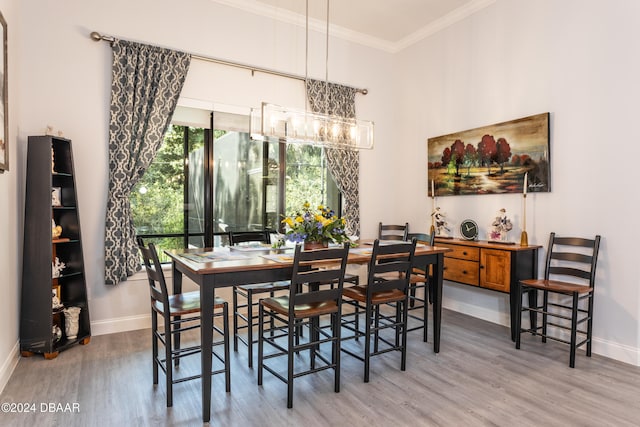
{"points": [[392, 231], [571, 258], [323, 270], [157, 283], [262, 236], [386, 259], [425, 239]]}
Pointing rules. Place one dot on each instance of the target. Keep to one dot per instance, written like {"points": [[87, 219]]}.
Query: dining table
{"points": [[213, 268]]}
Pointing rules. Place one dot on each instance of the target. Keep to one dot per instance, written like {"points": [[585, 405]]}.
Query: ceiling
{"points": [[389, 25]]}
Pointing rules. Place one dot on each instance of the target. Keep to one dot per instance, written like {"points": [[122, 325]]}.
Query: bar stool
{"points": [[179, 313]]}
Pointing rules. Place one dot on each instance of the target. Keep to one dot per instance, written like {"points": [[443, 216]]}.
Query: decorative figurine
{"points": [[500, 226], [56, 268], [56, 333], [55, 196], [278, 241], [55, 301], [441, 226], [56, 230]]}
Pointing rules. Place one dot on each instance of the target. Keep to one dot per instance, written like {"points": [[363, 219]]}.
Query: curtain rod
{"points": [[95, 36]]}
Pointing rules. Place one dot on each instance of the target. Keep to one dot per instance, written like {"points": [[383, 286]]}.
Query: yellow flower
{"points": [[299, 219], [288, 221], [306, 205]]}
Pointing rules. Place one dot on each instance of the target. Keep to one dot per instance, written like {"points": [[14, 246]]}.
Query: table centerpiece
{"points": [[315, 228]]}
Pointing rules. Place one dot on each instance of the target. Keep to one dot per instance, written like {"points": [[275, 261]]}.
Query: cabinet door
{"points": [[495, 268]]}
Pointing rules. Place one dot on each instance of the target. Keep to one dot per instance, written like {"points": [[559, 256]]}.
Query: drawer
{"points": [[460, 270], [462, 252]]}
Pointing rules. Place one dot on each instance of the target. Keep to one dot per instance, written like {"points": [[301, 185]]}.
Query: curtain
{"points": [[344, 164], [146, 83]]}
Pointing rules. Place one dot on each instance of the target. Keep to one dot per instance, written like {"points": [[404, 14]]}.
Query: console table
{"points": [[490, 265]]}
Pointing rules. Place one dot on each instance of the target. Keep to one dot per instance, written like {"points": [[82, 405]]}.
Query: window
{"points": [[203, 184]]}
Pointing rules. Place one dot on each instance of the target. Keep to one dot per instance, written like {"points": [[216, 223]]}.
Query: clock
{"points": [[469, 229]]}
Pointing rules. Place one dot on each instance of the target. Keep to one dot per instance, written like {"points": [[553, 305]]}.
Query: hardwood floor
{"points": [[478, 379]]}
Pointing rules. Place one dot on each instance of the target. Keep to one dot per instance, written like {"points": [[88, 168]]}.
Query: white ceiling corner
{"points": [[386, 25]]}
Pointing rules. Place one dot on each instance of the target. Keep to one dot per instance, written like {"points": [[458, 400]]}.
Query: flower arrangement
{"points": [[320, 226], [500, 226]]}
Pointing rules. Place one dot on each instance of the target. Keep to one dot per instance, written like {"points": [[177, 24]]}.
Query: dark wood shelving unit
{"points": [[49, 166]]}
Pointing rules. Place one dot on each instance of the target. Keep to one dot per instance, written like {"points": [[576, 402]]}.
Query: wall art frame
{"points": [[4, 103], [492, 159]]}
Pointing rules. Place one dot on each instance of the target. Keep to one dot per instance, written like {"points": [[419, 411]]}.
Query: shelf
{"points": [[37, 317], [67, 275]]}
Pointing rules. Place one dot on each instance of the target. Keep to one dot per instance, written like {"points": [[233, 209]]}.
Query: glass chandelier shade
{"points": [[286, 125]]}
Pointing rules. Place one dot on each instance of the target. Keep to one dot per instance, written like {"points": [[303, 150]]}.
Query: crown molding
{"points": [[289, 17], [440, 24]]}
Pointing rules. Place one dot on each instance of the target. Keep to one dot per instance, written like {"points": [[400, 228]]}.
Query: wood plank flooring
{"points": [[478, 379]]}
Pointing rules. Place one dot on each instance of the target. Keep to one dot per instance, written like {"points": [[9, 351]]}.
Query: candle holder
{"points": [[432, 230], [524, 239]]}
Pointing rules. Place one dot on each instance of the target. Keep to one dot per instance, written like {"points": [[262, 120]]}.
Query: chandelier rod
{"points": [[96, 36], [326, 69]]}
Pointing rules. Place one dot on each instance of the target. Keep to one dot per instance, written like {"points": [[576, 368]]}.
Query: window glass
{"points": [[245, 183], [308, 179], [203, 184], [157, 199]]}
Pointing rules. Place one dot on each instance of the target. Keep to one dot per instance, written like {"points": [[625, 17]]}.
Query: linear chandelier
{"points": [[294, 126]]}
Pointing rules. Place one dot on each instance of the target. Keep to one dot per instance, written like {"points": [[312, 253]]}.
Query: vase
{"points": [[71, 322], [310, 246]]}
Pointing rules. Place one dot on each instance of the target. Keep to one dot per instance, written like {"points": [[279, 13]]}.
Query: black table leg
{"points": [[206, 341], [177, 289], [437, 300]]}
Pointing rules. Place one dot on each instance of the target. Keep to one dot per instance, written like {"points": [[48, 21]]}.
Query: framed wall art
{"points": [[492, 159], [4, 109]]}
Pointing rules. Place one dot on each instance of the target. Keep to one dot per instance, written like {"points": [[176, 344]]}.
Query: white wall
{"points": [[517, 58], [11, 210], [512, 59], [66, 83]]}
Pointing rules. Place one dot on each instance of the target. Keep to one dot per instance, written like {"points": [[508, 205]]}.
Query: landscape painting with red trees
{"points": [[492, 159]]}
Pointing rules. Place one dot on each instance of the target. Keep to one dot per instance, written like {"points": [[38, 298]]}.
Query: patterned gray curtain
{"points": [[344, 165], [146, 83]]}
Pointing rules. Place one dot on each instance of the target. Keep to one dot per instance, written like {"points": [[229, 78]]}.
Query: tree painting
{"points": [[492, 159], [470, 157]]}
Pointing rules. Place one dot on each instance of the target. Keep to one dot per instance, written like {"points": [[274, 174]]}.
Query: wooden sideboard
{"points": [[494, 266]]}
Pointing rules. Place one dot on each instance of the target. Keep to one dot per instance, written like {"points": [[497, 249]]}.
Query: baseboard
{"points": [[482, 313], [611, 350], [620, 352], [120, 324], [9, 365]]}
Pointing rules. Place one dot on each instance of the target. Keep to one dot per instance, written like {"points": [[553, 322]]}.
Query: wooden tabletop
{"points": [[258, 260]]}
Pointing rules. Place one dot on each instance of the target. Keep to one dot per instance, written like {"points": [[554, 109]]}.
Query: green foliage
{"points": [[157, 200], [305, 177]]}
